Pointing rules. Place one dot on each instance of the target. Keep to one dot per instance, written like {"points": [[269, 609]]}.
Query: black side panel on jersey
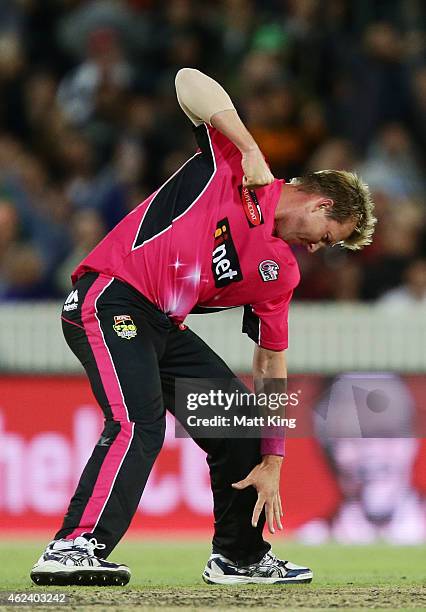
{"points": [[177, 195], [251, 324]]}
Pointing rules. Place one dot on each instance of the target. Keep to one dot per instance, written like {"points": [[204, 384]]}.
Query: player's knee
{"points": [[151, 434]]}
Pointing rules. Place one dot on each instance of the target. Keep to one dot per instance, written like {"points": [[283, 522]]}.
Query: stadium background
{"points": [[89, 126]]}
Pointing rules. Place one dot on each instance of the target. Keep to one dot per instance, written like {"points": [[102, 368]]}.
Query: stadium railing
{"points": [[324, 338]]}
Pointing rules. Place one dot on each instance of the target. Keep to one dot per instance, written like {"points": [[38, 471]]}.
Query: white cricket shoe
{"points": [[70, 562], [269, 570]]}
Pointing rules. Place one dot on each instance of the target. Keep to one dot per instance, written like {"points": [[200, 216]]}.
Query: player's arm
{"points": [[269, 364], [204, 100], [265, 477]]}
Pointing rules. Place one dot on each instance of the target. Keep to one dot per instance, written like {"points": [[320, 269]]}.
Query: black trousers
{"points": [[132, 354]]}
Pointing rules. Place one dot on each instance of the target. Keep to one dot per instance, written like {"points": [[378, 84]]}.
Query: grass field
{"points": [[166, 576]]}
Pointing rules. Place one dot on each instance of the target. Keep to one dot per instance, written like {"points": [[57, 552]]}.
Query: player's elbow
{"points": [[184, 75]]}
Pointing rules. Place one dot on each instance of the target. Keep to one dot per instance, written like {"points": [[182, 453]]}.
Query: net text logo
{"points": [[225, 264]]}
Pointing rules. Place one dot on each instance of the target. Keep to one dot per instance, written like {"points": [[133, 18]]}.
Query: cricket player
{"points": [[215, 235]]}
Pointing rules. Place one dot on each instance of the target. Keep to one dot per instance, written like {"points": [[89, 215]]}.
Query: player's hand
{"points": [[256, 170], [265, 478]]}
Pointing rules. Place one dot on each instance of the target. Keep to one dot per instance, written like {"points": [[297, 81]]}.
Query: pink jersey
{"points": [[202, 242]]}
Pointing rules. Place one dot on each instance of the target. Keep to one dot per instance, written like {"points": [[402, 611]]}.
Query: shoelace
{"points": [[83, 546], [91, 546], [268, 559]]}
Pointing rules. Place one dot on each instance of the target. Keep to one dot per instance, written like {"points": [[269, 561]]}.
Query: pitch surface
{"points": [[166, 576]]}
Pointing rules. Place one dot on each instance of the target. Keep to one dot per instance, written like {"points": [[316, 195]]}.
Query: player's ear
{"points": [[324, 204]]}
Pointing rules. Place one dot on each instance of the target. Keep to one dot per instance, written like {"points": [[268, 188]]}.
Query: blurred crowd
{"points": [[89, 123]]}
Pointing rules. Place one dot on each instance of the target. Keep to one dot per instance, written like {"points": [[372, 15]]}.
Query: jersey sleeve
{"points": [[266, 323], [212, 142]]}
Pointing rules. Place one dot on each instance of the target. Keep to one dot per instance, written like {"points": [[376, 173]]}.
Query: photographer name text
{"points": [[240, 421]]}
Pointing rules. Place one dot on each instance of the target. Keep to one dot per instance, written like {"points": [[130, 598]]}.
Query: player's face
{"points": [[311, 226]]}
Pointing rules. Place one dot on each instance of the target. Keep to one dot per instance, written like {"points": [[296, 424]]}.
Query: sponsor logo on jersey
{"points": [[251, 206], [225, 265], [268, 270], [124, 326], [71, 303]]}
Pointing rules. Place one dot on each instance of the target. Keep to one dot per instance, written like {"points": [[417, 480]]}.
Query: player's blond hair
{"points": [[351, 200]]}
